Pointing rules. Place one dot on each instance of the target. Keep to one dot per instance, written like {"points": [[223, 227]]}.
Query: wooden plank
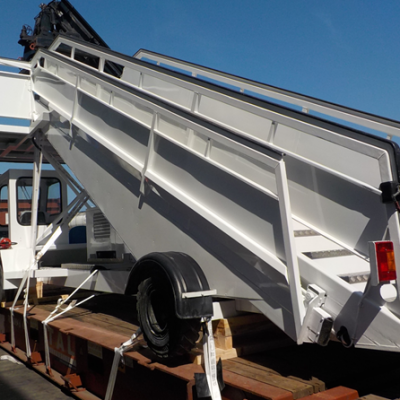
{"points": [[252, 364], [259, 389], [225, 329], [298, 389], [43, 299], [114, 321], [317, 384], [241, 324], [100, 320], [246, 348], [107, 322], [39, 290], [337, 393], [242, 336], [196, 355]]}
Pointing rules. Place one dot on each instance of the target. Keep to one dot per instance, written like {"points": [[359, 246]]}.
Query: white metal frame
{"points": [[108, 91], [52, 63], [199, 91], [276, 118], [54, 230]]}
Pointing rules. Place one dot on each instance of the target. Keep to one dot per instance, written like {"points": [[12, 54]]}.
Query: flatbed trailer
{"points": [[201, 188], [82, 350]]}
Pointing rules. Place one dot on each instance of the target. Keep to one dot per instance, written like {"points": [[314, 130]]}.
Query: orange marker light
{"points": [[385, 261]]}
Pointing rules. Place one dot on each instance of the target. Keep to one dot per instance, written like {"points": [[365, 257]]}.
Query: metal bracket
{"points": [[315, 296], [317, 324], [73, 382], [189, 295], [390, 190], [35, 358]]}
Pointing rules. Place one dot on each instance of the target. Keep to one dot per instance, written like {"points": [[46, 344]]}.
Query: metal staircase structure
{"points": [[267, 199]]}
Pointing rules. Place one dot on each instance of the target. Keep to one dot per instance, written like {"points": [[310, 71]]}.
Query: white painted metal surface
{"points": [[331, 155], [18, 101], [179, 164], [161, 164]]}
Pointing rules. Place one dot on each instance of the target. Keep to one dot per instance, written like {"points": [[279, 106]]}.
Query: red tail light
{"points": [[5, 243], [385, 261]]}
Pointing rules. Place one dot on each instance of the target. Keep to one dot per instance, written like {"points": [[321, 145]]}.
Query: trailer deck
{"points": [[82, 342]]}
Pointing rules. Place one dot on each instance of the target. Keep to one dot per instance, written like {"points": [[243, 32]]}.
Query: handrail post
{"points": [[290, 248]]}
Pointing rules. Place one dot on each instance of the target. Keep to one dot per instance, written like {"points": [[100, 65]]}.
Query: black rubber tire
{"points": [[166, 335]]}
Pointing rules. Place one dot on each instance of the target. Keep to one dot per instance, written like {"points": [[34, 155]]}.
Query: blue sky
{"points": [[343, 51]]}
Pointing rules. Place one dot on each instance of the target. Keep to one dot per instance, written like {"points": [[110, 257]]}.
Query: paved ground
{"points": [[18, 382]]}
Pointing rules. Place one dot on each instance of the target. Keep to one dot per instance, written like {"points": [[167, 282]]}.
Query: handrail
{"points": [[8, 62], [297, 121], [160, 104], [368, 120], [368, 145]]}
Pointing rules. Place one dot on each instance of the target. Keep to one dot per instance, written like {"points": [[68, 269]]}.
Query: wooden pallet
{"points": [[242, 335], [48, 293], [297, 388]]}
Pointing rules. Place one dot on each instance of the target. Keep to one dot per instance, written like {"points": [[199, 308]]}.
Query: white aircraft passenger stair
{"points": [[269, 200]]}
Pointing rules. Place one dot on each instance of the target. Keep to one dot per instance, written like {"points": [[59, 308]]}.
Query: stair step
{"points": [[315, 244], [305, 232], [327, 253], [344, 266], [355, 278]]}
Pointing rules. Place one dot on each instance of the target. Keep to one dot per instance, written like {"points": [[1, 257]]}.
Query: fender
{"points": [[182, 273]]}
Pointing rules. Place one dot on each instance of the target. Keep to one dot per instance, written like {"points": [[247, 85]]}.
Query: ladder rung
{"points": [[305, 232], [328, 253]]}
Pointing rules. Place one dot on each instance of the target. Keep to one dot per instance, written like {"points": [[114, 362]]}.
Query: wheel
{"points": [[166, 335]]}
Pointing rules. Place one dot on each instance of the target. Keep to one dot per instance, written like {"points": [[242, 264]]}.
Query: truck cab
{"points": [[15, 222], [87, 241]]}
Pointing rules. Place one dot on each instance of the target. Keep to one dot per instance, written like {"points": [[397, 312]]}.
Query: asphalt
{"points": [[18, 382]]}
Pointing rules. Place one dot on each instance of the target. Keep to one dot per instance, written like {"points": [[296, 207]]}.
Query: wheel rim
{"points": [[157, 313]]}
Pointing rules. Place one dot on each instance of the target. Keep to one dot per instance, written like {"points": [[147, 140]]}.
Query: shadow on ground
{"points": [[18, 382]]}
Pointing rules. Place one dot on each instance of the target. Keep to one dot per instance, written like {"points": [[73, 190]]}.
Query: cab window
{"points": [[4, 205], [49, 205]]}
